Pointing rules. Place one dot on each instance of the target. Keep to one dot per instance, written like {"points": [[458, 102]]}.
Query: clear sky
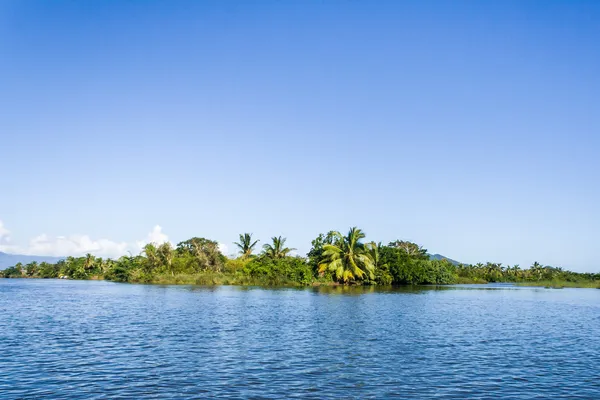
{"points": [[470, 127]]}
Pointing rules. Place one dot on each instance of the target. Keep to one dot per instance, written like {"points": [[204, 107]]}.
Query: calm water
{"points": [[70, 339]]}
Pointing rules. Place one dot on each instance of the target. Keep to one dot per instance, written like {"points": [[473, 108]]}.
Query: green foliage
{"points": [[332, 259], [48, 270], [13, 272], [235, 265], [119, 273], [31, 269], [411, 268], [315, 255], [279, 271], [166, 255], [205, 254], [276, 250], [347, 259], [496, 272], [411, 249], [246, 245]]}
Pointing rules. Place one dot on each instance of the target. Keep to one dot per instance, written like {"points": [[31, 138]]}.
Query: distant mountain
{"points": [[441, 257], [9, 260]]}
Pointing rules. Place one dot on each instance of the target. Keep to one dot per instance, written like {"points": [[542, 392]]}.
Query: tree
{"points": [[348, 258], [403, 268], [206, 253], [89, 263], [315, 255], [246, 245], [120, 270], [152, 258], [165, 253], [48, 270], [412, 249], [70, 267], [382, 270], [19, 269], [277, 249], [494, 272], [105, 265], [31, 269], [537, 270]]}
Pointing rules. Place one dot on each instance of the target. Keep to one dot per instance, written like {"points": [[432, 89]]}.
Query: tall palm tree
{"points": [[89, 262], [348, 258], [537, 270], [516, 271], [246, 245], [277, 249]]}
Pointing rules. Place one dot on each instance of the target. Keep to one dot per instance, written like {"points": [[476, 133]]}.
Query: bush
{"points": [[281, 271], [118, 274]]}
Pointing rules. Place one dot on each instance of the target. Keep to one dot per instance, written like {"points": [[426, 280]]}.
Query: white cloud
{"points": [[156, 236], [5, 240], [75, 245], [78, 245], [223, 248], [4, 235]]}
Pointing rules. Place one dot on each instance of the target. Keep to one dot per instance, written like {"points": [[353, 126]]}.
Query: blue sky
{"points": [[472, 128]]}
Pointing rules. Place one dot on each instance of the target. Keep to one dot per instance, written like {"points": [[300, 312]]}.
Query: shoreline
{"points": [[215, 279]]}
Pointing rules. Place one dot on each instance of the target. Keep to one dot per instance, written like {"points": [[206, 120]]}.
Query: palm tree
{"points": [[494, 272], [89, 262], [373, 250], [19, 268], [537, 270], [31, 269], [68, 266], [348, 258], [277, 249], [513, 271], [152, 258], [246, 245], [165, 253], [381, 269]]}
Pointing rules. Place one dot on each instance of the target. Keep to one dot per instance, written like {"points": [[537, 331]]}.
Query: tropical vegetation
{"points": [[334, 259]]}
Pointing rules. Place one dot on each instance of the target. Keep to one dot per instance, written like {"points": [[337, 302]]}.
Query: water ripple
{"points": [[99, 340]]}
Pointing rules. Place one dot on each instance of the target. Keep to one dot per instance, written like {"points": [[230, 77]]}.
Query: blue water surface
{"points": [[87, 339]]}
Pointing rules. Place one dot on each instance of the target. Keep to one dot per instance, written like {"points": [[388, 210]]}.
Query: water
{"points": [[76, 340]]}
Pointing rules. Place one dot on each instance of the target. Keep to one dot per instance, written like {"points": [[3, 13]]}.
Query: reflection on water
{"points": [[74, 340]]}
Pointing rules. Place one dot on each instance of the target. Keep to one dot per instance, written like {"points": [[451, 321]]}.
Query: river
{"points": [[91, 339]]}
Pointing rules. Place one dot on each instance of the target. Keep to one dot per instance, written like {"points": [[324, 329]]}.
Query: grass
{"points": [[562, 284], [213, 279], [469, 281], [208, 278]]}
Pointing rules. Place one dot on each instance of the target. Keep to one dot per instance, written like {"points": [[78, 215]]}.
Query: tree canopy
{"points": [[332, 260]]}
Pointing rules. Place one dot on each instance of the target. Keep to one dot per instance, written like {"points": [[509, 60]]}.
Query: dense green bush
{"points": [[280, 271]]}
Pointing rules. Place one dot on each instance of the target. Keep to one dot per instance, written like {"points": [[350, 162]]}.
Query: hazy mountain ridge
{"points": [[441, 257], [9, 260]]}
